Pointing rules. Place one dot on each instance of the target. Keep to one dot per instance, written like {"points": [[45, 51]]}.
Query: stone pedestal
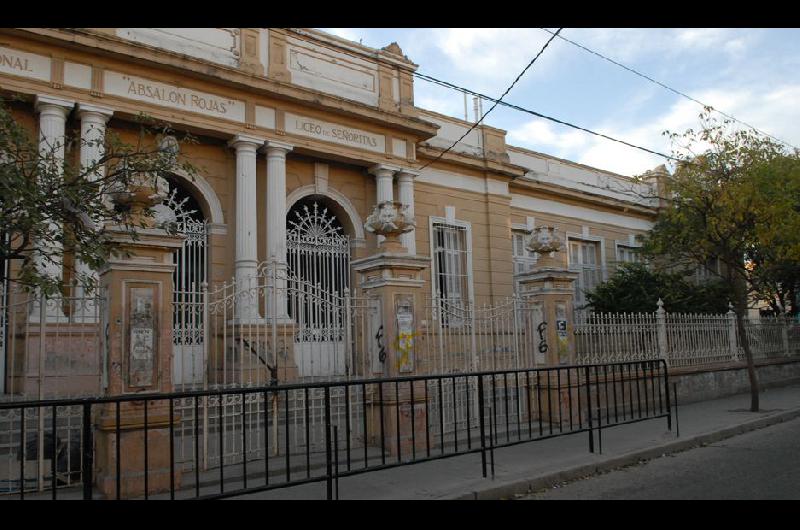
{"points": [[392, 281], [138, 361], [551, 285], [401, 410]]}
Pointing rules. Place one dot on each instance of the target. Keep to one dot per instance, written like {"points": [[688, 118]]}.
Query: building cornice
{"points": [[471, 161], [375, 54], [104, 44], [557, 192]]}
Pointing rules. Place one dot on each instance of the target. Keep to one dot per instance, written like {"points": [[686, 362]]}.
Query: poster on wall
{"points": [[404, 311], [142, 345], [561, 334]]}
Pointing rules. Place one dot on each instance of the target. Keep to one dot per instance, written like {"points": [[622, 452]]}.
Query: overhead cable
{"points": [[497, 101]]}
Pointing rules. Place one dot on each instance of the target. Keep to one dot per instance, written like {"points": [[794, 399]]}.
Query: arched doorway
{"points": [[318, 259], [183, 211]]}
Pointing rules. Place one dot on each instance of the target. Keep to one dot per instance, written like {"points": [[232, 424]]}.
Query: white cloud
{"points": [[631, 45], [773, 111], [449, 105], [731, 69], [541, 132], [495, 55]]}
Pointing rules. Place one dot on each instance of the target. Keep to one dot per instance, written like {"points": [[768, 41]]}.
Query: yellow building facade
{"points": [[300, 133]]}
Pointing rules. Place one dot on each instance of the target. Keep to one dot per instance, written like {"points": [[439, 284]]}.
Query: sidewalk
{"points": [[535, 465]]}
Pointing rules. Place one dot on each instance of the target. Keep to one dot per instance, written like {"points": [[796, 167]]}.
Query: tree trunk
{"points": [[741, 314]]}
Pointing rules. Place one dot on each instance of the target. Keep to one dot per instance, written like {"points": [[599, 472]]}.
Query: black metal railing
{"points": [[282, 436]]}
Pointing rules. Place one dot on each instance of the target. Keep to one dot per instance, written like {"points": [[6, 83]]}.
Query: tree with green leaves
{"points": [[50, 207], [637, 287], [734, 197]]}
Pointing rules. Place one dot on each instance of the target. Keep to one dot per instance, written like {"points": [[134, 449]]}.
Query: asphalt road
{"points": [[762, 464]]}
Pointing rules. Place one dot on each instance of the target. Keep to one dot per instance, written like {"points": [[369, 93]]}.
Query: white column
{"points": [[383, 180], [405, 192], [276, 223], [246, 259], [93, 133], [52, 119]]}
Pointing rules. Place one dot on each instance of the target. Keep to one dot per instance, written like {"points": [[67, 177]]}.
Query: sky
{"points": [[751, 74]]}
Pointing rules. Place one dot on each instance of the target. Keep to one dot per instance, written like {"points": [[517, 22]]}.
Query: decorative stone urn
{"points": [[545, 242], [145, 190], [390, 219]]}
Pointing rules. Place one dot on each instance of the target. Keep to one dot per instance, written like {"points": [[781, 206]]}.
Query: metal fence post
{"points": [[588, 410], [328, 459], [732, 332], [661, 323], [88, 452], [785, 334], [666, 391], [483, 428]]}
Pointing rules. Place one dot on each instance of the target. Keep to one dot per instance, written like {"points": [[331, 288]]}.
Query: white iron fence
{"points": [[275, 327], [458, 338], [49, 347], [272, 327], [682, 339]]}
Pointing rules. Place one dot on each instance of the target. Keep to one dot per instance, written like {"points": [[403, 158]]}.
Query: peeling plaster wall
{"points": [[219, 45]]}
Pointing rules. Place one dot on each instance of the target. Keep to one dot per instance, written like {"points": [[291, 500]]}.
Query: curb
{"points": [[525, 486]]}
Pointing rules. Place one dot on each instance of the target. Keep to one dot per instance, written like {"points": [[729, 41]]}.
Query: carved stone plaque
{"points": [[142, 348]]}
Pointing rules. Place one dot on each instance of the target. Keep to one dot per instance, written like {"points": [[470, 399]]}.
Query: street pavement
{"points": [[762, 464]]}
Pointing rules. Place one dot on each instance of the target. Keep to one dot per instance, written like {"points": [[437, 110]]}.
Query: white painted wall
{"points": [[332, 72], [581, 178], [450, 131], [78, 75], [463, 182], [535, 205], [219, 45]]}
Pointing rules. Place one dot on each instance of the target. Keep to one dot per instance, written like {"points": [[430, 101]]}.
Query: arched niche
{"points": [[339, 205], [202, 191]]}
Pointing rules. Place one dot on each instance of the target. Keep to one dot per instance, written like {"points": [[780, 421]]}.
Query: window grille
{"points": [[524, 260], [583, 258], [452, 274], [708, 271], [628, 254]]}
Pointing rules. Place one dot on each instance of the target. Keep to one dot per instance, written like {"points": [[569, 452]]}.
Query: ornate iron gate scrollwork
{"points": [[318, 259]]}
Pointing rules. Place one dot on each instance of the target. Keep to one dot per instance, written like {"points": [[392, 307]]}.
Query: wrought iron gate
{"points": [[318, 259], [188, 279]]}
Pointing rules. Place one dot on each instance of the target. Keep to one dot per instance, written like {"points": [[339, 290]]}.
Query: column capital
{"points": [[86, 110], [271, 146], [50, 101], [381, 170], [243, 140], [406, 175]]}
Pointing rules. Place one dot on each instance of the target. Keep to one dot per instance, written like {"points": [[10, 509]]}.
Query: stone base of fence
{"points": [[726, 379], [559, 405], [132, 478], [412, 440]]}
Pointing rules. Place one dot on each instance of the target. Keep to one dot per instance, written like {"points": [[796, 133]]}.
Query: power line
{"points": [[496, 102], [659, 83], [447, 84]]}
